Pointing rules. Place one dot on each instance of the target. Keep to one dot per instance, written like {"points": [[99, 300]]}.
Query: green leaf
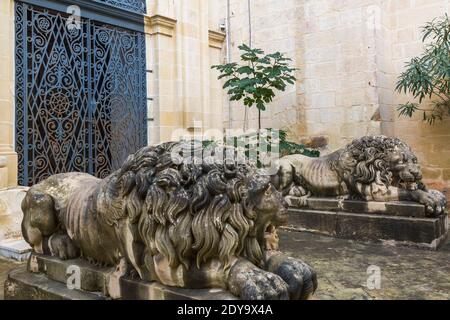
{"points": [[250, 89], [245, 70], [257, 76], [260, 106], [244, 47], [428, 75]]}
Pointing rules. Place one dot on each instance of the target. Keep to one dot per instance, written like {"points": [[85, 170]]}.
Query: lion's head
{"points": [[373, 163], [194, 211]]}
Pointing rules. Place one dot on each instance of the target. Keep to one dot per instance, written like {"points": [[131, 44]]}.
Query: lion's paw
{"points": [[434, 201], [263, 285], [62, 246], [300, 277], [256, 284]]}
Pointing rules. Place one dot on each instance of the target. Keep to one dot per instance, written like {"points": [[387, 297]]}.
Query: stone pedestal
{"points": [[11, 213], [399, 223], [47, 278], [16, 249], [12, 246], [23, 285]]}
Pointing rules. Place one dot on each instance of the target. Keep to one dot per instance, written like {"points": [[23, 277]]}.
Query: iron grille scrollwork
{"points": [[80, 95], [137, 6]]}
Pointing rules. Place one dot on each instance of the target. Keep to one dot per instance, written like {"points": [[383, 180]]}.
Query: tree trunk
{"points": [[259, 120]]}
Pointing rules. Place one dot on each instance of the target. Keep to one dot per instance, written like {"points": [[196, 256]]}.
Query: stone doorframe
{"points": [[8, 156]]}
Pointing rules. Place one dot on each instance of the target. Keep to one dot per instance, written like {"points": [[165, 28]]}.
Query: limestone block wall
{"points": [[337, 54], [350, 54], [8, 166], [333, 43], [431, 143], [274, 28], [183, 41]]}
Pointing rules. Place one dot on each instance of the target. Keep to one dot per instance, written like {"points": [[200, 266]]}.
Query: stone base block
{"points": [[394, 208], [47, 277], [427, 233], [15, 249], [11, 213], [24, 285]]}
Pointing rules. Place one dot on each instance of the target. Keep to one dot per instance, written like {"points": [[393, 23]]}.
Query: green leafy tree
{"points": [[256, 78], [428, 76]]}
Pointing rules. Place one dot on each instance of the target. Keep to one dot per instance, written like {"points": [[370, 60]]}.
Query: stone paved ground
{"points": [[5, 266], [341, 265]]}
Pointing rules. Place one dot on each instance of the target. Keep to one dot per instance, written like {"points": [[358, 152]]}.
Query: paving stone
{"points": [[341, 266], [6, 265]]}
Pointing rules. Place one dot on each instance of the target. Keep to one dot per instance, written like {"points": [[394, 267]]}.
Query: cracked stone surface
{"points": [[341, 265]]}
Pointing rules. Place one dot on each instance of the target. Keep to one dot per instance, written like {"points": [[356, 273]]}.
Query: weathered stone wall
{"points": [[334, 44], [337, 55], [350, 54], [431, 143], [274, 27], [8, 157], [183, 41]]}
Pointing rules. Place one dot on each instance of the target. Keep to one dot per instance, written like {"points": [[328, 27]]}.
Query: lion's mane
{"points": [[186, 211], [364, 164]]}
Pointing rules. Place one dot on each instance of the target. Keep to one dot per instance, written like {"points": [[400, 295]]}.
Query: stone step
{"points": [[394, 208], [94, 279], [17, 249], [97, 279], [425, 233], [24, 285]]}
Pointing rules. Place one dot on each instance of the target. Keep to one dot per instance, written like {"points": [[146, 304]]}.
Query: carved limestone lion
{"points": [[177, 222], [372, 168]]}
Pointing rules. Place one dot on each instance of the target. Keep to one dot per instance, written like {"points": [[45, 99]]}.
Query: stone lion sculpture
{"points": [[177, 222], [372, 168]]}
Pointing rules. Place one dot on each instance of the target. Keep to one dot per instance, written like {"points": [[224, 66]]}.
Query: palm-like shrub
{"points": [[428, 75]]}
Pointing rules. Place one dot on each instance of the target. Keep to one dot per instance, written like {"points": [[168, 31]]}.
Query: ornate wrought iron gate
{"points": [[80, 91]]}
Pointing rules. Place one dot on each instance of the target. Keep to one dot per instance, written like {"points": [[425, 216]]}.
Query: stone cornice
{"points": [[96, 11], [158, 24], [216, 39]]}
